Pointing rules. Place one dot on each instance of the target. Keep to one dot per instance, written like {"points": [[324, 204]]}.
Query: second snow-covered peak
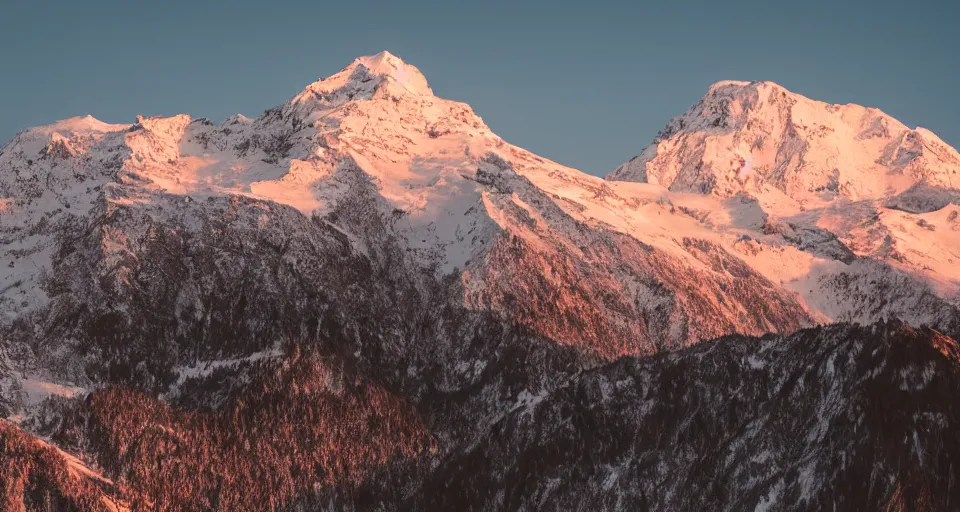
{"points": [[754, 137]]}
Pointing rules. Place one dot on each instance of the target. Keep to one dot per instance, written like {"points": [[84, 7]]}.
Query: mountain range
{"points": [[364, 299]]}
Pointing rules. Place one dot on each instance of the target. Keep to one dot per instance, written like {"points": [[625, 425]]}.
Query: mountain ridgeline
{"points": [[364, 299]]}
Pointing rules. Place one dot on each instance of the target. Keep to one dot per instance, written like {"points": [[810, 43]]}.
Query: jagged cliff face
{"points": [[374, 258]]}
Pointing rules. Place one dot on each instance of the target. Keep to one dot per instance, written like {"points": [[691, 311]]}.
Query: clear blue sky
{"points": [[585, 83]]}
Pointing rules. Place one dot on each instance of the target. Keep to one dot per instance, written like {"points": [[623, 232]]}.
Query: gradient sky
{"points": [[585, 83]]}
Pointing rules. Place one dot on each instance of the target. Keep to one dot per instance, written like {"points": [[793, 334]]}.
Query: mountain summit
{"points": [[758, 136], [363, 77]]}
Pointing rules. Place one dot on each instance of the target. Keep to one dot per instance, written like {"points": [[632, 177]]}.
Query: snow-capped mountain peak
{"points": [[386, 64], [75, 132], [362, 78], [751, 137], [80, 125]]}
